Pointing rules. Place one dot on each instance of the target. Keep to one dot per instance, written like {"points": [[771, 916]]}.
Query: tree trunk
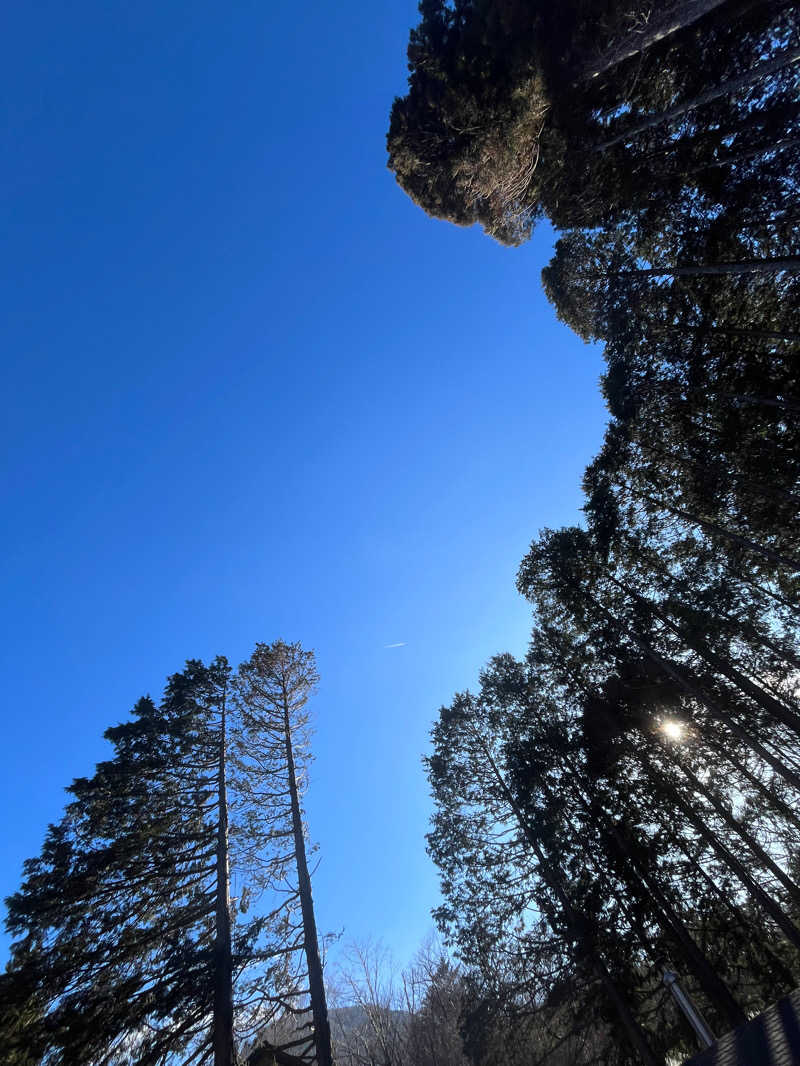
{"points": [[766, 401], [777, 963], [223, 958], [776, 912], [761, 590], [555, 882], [723, 331], [712, 984], [789, 263], [742, 157], [734, 824], [762, 70], [769, 795], [316, 983], [694, 690], [714, 987], [712, 527], [661, 25]]}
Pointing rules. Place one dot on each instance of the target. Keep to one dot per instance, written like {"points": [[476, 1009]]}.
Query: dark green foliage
{"points": [[647, 845], [597, 114], [123, 954], [464, 142], [676, 605], [116, 915], [577, 842], [571, 835]]}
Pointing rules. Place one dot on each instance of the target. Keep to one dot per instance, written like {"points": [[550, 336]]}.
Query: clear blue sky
{"points": [[251, 391]]}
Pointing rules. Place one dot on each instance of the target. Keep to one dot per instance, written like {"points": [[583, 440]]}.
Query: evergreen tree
{"points": [[119, 915], [273, 689], [593, 112], [511, 897], [585, 765], [129, 948]]}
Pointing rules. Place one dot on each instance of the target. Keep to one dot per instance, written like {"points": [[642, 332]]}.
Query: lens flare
{"points": [[672, 730]]}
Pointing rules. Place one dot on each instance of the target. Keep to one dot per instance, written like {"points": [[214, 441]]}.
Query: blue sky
{"points": [[251, 391]]}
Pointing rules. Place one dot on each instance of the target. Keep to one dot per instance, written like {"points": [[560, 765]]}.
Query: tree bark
{"points": [[776, 912], [713, 985], [632, 1028], [733, 85], [316, 983], [223, 957], [736, 826], [694, 690], [662, 25], [789, 263]]}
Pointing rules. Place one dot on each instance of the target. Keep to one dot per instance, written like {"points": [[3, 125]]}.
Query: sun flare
{"points": [[672, 730]]}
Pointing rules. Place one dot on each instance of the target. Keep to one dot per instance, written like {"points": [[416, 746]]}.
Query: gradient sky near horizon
{"points": [[251, 391]]}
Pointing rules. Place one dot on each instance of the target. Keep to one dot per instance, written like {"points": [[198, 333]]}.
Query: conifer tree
{"points": [[119, 916], [129, 948], [273, 689], [588, 112]]}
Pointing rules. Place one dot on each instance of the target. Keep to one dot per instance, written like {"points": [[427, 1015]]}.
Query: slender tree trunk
{"points": [[316, 983], [777, 963], [736, 826], [776, 709], [632, 1028], [782, 808], [790, 263], [713, 985], [767, 401], [712, 527], [713, 140], [723, 331], [762, 70], [555, 882], [760, 589], [694, 690], [223, 958], [742, 157], [766, 902], [662, 24]]}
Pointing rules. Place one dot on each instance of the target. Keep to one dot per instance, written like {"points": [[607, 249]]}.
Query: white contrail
{"points": [[399, 644]]}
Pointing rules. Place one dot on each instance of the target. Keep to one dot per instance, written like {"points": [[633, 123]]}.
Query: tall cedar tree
{"points": [[556, 835], [666, 147], [273, 689], [124, 954], [505, 882], [128, 948]]}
